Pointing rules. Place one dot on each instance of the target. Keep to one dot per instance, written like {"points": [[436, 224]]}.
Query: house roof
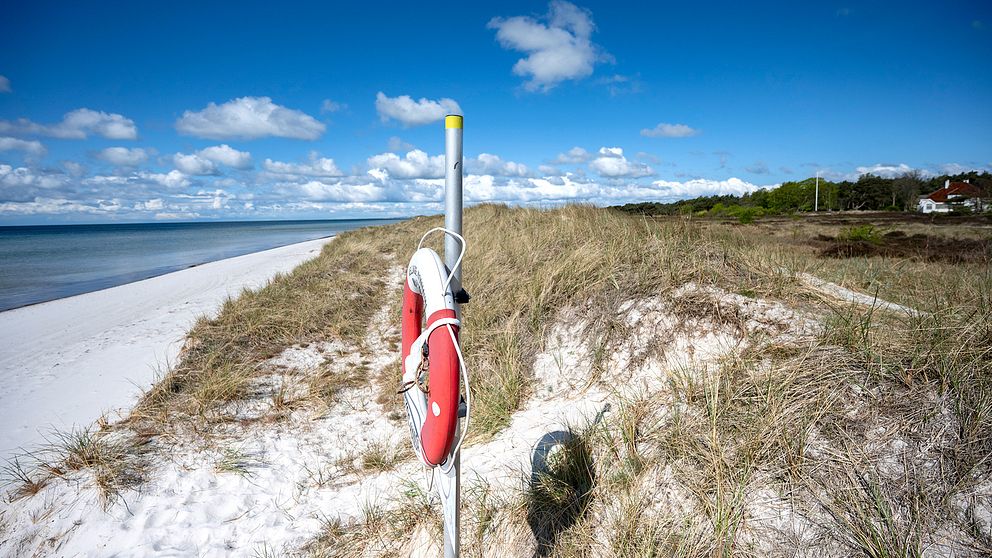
{"points": [[955, 189]]}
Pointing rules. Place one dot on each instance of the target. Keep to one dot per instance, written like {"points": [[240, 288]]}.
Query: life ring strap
{"points": [[411, 363]]}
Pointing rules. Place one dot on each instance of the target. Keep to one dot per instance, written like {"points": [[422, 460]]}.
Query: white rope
{"points": [[458, 262], [454, 341], [468, 404]]}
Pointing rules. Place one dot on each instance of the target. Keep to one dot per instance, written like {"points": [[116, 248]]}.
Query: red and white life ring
{"points": [[433, 414]]}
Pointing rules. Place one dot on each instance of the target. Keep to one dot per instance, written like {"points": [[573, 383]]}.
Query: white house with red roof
{"points": [[961, 194]]}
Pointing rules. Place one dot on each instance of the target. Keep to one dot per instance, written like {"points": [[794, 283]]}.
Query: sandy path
{"points": [[69, 361]]}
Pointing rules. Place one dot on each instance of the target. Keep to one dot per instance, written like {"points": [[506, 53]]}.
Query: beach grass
{"points": [[871, 437]]}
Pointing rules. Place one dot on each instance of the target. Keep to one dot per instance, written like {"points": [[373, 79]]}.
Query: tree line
{"points": [[868, 193]]}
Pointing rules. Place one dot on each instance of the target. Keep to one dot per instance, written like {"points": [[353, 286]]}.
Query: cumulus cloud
{"points": [[74, 168], [415, 164], [664, 130], [249, 118], [21, 177], [4, 85], [173, 180], [226, 155], [30, 147], [487, 163], [205, 161], [957, 168], [338, 191], [123, 157], [408, 112], [886, 170], [573, 156], [78, 124], [611, 163], [558, 48], [317, 166], [703, 187], [193, 164]]}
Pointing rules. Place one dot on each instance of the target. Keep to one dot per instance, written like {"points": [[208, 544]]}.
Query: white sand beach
{"points": [[67, 362]]}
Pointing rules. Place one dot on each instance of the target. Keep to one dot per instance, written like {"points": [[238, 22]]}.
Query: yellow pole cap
{"points": [[453, 121]]}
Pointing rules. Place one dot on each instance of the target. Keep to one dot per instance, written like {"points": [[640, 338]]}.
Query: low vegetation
{"points": [[871, 437], [868, 193]]}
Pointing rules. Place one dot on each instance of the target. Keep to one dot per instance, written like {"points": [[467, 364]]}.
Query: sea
{"points": [[47, 262]]}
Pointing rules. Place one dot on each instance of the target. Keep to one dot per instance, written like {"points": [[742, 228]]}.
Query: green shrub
{"points": [[861, 233]]}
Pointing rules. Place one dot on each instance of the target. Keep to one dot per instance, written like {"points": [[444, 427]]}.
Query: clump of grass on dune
{"points": [[116, 462], [531, 264], [330, 297]]}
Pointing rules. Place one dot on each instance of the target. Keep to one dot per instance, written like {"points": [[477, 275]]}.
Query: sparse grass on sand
{"points": [[873, 437]]}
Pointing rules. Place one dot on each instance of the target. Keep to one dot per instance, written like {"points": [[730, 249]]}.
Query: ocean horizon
{"points": [[40, 263]]}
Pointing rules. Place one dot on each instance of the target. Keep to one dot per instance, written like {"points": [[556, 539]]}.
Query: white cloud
{"points": [[150, 205], [340, 191], [413, 113], [664, 130], [24, 177], [226, 155], [77, 124], [173, 180], [50, 206], [487, 163], [318, 166], [171, 215], [123, 157], [331, 106], [74, 168], [31, 147], [885, 170], [612, 164], [193, 164], [573, 156], [204, 162], [4, 84], [957, 168], [415, 164], [703, 187], [557, 50], [249, 118]]}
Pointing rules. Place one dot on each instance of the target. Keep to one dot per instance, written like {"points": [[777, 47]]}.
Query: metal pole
{"points": [[453, 124], [453, 191], [816, 202]]}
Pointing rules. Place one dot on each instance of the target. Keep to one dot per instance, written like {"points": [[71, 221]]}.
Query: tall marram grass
{"points": [[871, 433], [523, 266]]}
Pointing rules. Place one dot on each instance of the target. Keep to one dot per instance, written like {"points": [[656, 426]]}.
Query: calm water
{"points": [[39, 263]]}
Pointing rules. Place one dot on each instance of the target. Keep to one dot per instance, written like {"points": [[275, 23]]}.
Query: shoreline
{"points": [[67, 362], [166, 271]]}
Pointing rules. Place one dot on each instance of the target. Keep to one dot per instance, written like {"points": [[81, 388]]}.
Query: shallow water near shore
{"points": [[42, 263]]}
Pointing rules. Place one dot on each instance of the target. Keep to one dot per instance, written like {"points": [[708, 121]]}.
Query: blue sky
{"points": [[136, 111]]}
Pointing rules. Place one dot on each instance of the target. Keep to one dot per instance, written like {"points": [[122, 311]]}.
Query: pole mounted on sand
{"points": [[434, 370], [816, 197], [450, 502]]}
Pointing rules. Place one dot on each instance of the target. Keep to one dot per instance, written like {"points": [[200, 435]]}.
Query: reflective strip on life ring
{"points": [[433, 416]]}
